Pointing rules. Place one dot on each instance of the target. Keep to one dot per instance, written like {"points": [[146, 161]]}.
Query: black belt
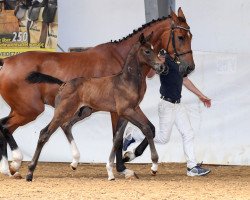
{"points": [[171, 100]]}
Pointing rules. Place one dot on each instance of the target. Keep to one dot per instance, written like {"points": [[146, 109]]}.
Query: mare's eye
{"points": [[181, 38], [147, 52]]}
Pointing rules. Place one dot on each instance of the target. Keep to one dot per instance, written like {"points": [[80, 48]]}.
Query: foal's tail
{"points": [[37, 77]]}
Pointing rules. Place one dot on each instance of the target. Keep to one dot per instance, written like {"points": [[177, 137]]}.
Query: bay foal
{"points": [[119, 93]]}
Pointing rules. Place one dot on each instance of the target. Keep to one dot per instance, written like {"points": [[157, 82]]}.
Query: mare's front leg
{"points": [[82, 113], [138, 118]]}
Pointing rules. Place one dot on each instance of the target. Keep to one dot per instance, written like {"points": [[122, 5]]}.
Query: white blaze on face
{"points": [[152, 47]]}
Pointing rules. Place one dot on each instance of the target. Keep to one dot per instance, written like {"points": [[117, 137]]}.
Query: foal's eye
{"points": [[181, 38], [147, 52]]}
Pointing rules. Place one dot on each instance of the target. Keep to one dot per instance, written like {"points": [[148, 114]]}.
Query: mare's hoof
{"points": [[29, 177], [17, 175], [153, 173]]}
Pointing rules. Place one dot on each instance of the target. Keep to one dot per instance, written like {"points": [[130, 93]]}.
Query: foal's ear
{"points": [[181, 14], [142, 39], [148, 38]]}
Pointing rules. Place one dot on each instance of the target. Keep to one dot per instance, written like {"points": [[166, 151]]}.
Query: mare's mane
{"points": [[181, 19], [141, 29]]}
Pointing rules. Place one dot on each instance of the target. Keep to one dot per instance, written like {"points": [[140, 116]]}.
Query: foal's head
{"points": [[147, 56]]}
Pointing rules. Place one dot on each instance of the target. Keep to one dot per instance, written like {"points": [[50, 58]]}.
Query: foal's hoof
{"points": [[73, 168], [17, 175], [12, 170], [29, 177], [129, 174], [111, 179], [153, 173]]}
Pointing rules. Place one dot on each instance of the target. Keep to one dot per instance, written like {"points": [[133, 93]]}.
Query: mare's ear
{"points": [[142, 39], [148, 38], [173, 15], [181, 14]]}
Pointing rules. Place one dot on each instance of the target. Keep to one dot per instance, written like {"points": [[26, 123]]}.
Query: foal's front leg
{"points": [[138, 118]]}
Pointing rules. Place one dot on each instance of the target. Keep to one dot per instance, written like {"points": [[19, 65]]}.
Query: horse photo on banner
{"points": [[27, 25]]}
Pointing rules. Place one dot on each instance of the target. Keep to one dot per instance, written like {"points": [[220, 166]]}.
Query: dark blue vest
{"points": [[171, 84]]}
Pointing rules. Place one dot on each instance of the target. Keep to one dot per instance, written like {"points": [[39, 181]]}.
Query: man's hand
{"points": [[206, 101]]}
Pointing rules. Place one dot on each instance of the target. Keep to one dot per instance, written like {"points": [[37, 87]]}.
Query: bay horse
{"points": [[120, 94], [27, 101]]}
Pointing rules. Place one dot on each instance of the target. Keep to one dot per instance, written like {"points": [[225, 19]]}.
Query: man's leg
{"points": [[184, 126], [167, 115]]}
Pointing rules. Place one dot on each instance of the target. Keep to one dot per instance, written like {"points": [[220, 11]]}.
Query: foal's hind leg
{"points": [[64, 112], [80, 115], [117, 140], [43, 138], [119, 123]]}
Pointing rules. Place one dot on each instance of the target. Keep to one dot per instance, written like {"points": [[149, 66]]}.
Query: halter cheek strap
{"points": [[171, 37]]}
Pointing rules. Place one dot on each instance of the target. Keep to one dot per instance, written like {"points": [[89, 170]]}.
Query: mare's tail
{"points": [[37, 77]]}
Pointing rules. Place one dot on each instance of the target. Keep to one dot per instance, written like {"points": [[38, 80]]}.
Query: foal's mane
{"points": [[141, 28]]}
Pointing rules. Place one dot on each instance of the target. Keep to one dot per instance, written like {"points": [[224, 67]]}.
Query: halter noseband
{"points": [[176, 54]]}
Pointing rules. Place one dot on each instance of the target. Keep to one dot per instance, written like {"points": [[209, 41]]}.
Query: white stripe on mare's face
{"points": [[4, 169]]}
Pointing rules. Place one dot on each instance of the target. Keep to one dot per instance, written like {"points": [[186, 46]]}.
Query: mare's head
{"points": [[177, 42], [147, 56]]}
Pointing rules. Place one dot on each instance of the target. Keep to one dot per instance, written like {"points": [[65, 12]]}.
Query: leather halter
{"points": [[171, 37]]}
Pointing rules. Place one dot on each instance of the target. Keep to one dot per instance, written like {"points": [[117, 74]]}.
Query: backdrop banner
{"points": [[26, 26], [221, 132]]}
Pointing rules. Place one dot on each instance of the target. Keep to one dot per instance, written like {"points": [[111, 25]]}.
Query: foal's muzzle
{"points": [[160, 68]]}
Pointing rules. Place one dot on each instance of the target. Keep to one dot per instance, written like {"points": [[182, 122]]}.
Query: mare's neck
{"points": [[158, 28]]}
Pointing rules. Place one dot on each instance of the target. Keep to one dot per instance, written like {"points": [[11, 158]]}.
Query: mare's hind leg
{"points": [[3, 156], [8, 125], [80, 115]]}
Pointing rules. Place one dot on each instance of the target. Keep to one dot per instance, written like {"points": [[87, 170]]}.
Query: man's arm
{"points": [[190, 86]]}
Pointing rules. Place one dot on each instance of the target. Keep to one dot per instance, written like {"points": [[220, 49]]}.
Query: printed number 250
{"points": [[20, 37]]}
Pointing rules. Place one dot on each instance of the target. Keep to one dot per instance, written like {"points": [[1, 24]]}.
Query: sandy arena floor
{"points": [[58, 181]]}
